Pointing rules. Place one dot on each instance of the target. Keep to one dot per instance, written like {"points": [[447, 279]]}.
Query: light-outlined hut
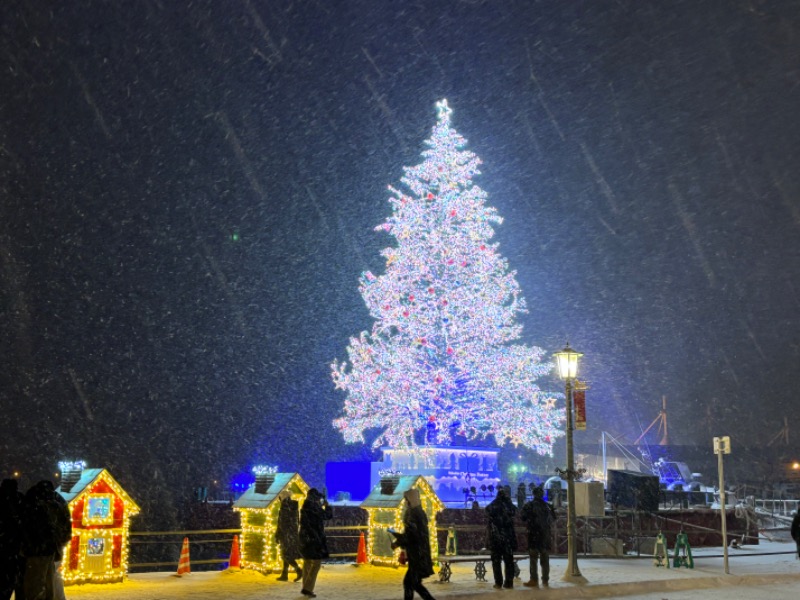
{"points": [[101, 511], [258, 508], [386, 507]]}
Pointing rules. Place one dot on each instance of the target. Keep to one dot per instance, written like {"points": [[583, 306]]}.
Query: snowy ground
{"points": [[754, 573]]}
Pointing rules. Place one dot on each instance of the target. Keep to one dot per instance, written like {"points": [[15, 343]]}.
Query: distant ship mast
{"points": [[661, 419]]}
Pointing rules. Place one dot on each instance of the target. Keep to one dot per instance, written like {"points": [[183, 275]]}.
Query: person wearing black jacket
{"points": [[539, 517], [287, 535], [313, 544], [415, 540], [46, 528], [502, 540], [11, 562], [796, 531]]}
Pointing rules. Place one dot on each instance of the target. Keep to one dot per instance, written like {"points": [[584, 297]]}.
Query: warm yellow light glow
{"points": [[258, 548], [796, 466], [383, 519], [96, 535], [567, 362]]}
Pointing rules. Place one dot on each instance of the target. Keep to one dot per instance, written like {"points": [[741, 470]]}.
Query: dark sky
{"points": [[188, 193]]}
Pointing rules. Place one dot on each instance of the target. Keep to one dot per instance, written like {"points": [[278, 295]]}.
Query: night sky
{"points": [[188, 193]]}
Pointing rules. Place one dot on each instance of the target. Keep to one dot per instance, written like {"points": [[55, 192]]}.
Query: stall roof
{"points": [[88, 478], [250, 499], [378, 500]]}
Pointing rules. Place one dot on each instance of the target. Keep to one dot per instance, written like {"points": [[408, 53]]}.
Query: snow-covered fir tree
{"points": [[441, 356]]}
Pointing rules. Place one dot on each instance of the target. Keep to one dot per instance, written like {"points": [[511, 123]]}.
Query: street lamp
{"points": [[567, 363]]}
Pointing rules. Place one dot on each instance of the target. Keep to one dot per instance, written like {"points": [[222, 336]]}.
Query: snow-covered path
{"points": [[754, 573]]}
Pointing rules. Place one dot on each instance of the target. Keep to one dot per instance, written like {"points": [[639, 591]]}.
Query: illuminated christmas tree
{"points": [[440, 357]]}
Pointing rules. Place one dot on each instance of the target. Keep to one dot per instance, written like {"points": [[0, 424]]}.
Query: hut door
{"points": [[95, 555]]}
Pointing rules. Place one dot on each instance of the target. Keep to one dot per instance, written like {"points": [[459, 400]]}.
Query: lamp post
{"points": [[567, 362]]}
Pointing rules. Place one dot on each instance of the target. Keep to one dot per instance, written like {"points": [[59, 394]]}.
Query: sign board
{"points": [[722, 445], [579, 404]]}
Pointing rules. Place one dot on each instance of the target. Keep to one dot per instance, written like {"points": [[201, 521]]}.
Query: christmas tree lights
{"points": [[441, 352]]}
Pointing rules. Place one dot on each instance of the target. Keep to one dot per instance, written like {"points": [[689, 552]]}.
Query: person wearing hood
{"points": [[11, 562], [415, 540], [313, 544], [539, 517], [502, 539], [287, 535], [46, 528]]}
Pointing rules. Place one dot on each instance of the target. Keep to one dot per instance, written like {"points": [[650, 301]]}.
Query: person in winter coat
{"points": [[539, 517], [64, 532], [313, 544], [11, 562], [415, 540], [287, 535], [796, 531], [502, 540], [46, 528]]}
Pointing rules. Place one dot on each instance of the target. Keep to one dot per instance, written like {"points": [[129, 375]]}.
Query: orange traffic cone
{"points": [[234, 562], [183, 563], [361, 557]]}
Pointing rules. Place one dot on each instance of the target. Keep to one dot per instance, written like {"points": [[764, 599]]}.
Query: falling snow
{"points": [[188, 192]]}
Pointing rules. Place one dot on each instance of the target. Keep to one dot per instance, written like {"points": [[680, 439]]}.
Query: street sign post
{"points": [[722, 445]]}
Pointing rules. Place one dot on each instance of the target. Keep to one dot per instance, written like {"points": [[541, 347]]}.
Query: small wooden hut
{"points": [[386, 507], [101, 512], [258, 508]]}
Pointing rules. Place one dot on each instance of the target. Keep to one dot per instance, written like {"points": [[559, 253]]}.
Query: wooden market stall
{"points": [[258, 508], [385, 508], [101, 512]]}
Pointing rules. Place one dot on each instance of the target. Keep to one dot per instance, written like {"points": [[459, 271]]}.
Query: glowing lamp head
{"points": [[567, 362]]}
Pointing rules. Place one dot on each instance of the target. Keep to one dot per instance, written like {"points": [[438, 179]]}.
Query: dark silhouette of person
{"points": [[539, 517], [502, 540], [287, 534], [796, 531], [11, 561], [46, 528], [313, 543], [415, 540]]}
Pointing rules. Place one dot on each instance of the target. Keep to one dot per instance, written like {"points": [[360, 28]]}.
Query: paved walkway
{"points": [[771, 564]]}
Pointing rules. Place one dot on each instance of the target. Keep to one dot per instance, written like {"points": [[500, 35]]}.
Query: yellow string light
{"points": [[98, 532], [259, 526]]}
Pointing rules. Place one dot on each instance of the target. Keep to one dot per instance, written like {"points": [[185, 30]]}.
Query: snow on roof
{"points": [[291, 481], [377, 499], [87, 480]]}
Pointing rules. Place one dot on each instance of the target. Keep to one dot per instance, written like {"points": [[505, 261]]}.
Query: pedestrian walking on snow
{"points": [[539, 517], [502, 540], [415, 540], [288, 536], [313, 543], [796, 531]]}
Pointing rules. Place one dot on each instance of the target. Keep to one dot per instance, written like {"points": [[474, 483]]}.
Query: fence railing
{"points": [[154, 549]]}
